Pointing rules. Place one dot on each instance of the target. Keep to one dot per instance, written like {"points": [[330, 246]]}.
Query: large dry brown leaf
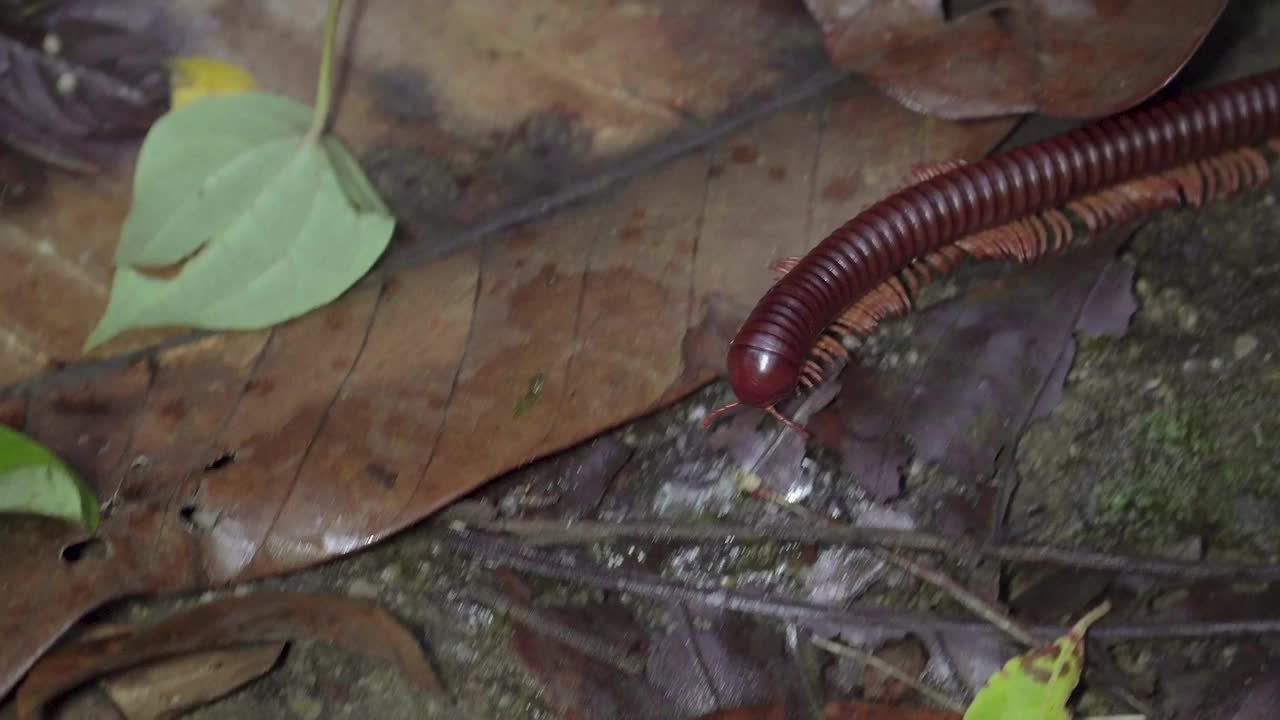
{"points": [[249, 454], [456, 110], [242, 455], [1069, 59]]}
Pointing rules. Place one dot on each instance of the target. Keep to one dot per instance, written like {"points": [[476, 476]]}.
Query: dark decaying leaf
{"points": [[1202, 684], [722, 661], [83, 79], [226, 623], [1255, 697], [581, 686], [989, 362], [849, 710], [985, 58], [248, 454], [697, 664]]}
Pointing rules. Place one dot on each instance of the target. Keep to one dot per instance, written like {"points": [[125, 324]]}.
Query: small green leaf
{"points": [[191, 183], [1037, 684], [272, 219], [34, 481], [531, 396]]}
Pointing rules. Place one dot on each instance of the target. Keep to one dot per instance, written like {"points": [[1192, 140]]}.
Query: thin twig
{"points": [[1114, 683], [553, 533], [969, 600], [504, 552], [889, 669]]}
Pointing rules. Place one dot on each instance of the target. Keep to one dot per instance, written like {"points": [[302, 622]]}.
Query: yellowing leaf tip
{"points": [[193, 77]]}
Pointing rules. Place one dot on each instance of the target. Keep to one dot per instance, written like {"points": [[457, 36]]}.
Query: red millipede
{"points": [[1183, 151]]}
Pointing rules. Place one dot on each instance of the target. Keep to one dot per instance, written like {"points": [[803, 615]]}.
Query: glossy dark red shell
{"points": [[766, 357]]}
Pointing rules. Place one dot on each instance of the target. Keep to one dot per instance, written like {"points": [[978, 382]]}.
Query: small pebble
{"points": [[1190, 320], [305, 707], [1216, 364], [361, 588], [1152, 384], [1244, 345], [66, 83]]}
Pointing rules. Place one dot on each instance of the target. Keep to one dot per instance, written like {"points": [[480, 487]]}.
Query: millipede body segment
{"points": [[1180, 151]]}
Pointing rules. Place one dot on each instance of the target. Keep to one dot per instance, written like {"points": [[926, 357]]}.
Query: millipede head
{"points": [[760, 377]]}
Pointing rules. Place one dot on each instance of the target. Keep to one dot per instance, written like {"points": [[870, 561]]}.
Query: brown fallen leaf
{"points": [[166, 688], [227, 623], [461, 113], [980, 59], [249, 454]]}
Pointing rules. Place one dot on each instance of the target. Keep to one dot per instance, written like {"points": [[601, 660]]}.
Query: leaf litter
{"points": [[345, 409], [378, 475]]}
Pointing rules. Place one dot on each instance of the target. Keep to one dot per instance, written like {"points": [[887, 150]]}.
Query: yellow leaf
{"points": [[1037, 684], [192, 78]]}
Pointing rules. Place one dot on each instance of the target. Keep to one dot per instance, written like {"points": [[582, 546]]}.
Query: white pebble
{"points": [[361, 588], [1244, 345]]}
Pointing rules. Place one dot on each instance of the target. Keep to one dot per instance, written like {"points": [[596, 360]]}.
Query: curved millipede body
{"points": [[1175, 152]]}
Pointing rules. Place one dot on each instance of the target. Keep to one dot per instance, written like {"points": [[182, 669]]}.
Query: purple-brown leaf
{"points": [[1070, 59], [988, 363]]}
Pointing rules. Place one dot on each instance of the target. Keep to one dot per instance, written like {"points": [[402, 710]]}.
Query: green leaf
{"points": [[1037, 684], [34, 481], [526, 403], [272, 218]]}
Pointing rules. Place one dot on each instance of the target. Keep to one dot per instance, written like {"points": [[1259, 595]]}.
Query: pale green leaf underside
{"points": [[34, 481], [191, 181], [279, 226]]}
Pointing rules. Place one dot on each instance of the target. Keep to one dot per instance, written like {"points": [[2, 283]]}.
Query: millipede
{"points": [[1021, 204]]}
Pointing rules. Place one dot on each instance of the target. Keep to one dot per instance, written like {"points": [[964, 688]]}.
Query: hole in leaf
{"points": [[197, 518], [90, 549], [223, 460]]}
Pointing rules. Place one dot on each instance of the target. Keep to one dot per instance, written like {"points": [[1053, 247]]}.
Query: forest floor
{"points": [[1163, 443]]}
